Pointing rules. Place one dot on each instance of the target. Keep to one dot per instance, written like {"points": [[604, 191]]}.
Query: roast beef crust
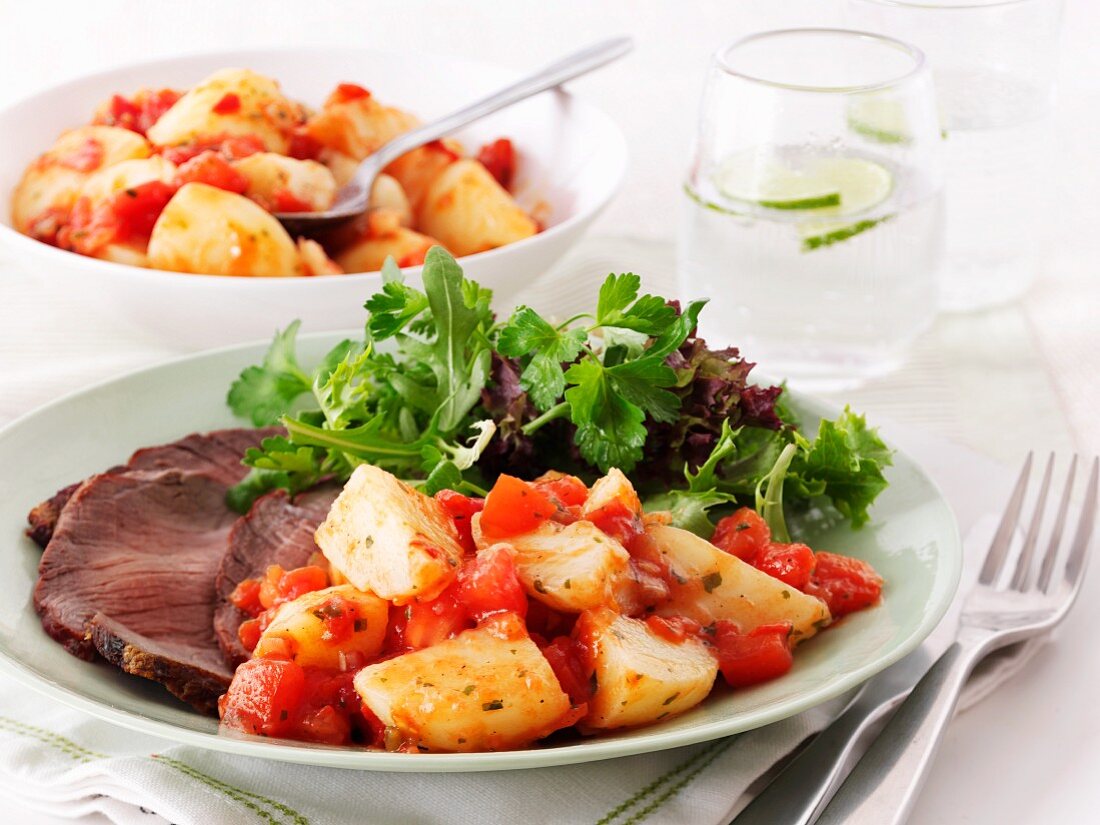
{"points": [[194, 685]]}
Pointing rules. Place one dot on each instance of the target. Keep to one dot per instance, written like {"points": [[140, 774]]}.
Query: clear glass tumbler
{"points": [[994, 65], [812, 215]]}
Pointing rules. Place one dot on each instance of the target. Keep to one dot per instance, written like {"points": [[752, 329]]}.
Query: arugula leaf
{"points": [[265, 393], [528, 333], [460, 375]]}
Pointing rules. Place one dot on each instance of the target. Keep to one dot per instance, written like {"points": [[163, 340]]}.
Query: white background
{"points": [[1001, 381]]}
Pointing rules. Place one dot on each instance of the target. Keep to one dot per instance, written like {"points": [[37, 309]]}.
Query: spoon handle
{"points": [[576, 64]]}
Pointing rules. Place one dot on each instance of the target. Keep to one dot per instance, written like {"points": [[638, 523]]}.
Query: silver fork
{"points": [[882, 788]]}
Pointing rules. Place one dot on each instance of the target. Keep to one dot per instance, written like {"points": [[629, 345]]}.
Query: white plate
{"points": [[571, 157], [913, 542]]}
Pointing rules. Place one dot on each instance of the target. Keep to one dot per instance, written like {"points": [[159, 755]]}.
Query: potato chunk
{"points": [[641, 677], [367, 254], [416, 170], [126, 174], [301, 623], [611, 490], [214, 232], [570, 568], [709, 584], [235, 102], [271, 176], [468, 211], [49, 187], [489, 688], [357, 127], [388, 538]]}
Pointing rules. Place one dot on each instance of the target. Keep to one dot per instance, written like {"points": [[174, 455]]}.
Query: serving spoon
{"points": [[352, 199]]}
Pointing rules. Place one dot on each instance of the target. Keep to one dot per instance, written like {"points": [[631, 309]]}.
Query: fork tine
{"points": [[1075, 564], [1020, 579], [998, 548], [1051, 554]]}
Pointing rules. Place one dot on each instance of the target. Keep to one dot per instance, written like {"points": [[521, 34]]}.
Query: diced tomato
{"points": [[85, 158], [213, 169], [229, 104], [750, 658], [565, 490], [121, 112], [338, 616], [140, 113], [273, 647], [461, 509], [428, 623], [618, 521], [347, 92], [845, 584], [263, 697], [569, 661], [442, 148], [488, 584], [249, 633], [742, 534], [137, 209], [127, 215], [545, 621], [301, 580], [283, 200], [514, 507], [326, 725], [46, 225], [304, 146], [790, 563], [674, 628], [153, 105], [232, 147], [499, 157], [246, 597]]}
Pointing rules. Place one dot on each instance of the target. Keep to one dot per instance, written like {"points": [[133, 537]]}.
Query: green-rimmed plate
{"points": [[913, 542]]}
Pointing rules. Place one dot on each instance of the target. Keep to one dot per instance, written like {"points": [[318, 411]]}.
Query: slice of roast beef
{"points": [[275, 531], [130, 569], [216, 453]]}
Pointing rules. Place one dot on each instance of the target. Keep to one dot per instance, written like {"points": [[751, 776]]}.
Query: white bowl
{"points": [[572, 157]]}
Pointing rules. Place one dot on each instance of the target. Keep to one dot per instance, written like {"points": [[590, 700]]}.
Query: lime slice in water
{"points": [[827, 185], [758, 179], [880, 119]]}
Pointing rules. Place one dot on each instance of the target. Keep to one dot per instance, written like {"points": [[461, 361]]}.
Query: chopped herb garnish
{"points": [[711, 581], [496, 704]]}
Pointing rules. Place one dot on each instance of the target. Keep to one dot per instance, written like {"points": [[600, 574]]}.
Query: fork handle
{"points": [[882, 788]]}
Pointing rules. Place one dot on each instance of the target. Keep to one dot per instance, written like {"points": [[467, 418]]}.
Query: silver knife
{"points": [[799, 792]]}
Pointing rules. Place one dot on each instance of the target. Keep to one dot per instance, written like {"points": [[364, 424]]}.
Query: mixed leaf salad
{"points": [[443, 393]]}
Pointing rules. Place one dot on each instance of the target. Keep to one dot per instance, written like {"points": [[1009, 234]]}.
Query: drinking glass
{"points": [[812, 215], [993, 63]]}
